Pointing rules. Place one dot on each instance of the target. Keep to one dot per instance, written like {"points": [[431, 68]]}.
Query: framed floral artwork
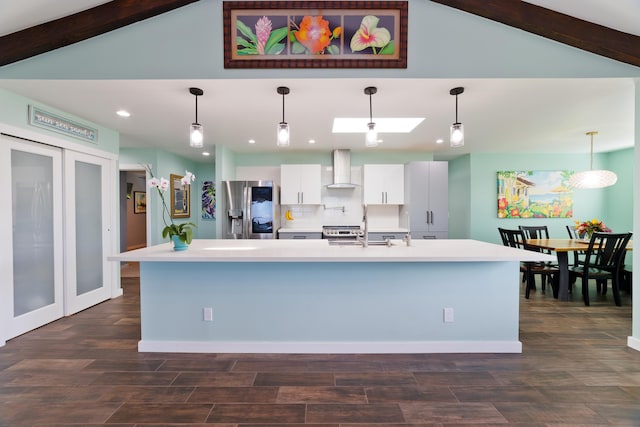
{"points": [[315, 34]]}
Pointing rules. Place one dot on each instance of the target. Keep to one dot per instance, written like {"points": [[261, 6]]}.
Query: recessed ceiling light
{"points": [[206, 153], [123, 113], [383, 124], [312, 141], [439, 141], [252, 141]]}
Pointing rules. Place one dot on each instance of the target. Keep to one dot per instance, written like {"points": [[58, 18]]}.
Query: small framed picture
{"points": [[139, 202], [180, 198]]}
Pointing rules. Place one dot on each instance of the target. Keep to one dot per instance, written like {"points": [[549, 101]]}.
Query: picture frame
{"points": [[180, 198], [139, 202], [274, 34], [527, 194]]}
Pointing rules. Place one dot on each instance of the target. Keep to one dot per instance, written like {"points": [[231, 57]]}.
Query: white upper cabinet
{"points": [[300, 185], [383, 184]]}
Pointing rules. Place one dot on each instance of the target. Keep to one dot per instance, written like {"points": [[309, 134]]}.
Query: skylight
{"points": [[383, 124]]}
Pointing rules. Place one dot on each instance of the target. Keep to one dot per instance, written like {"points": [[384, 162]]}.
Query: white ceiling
{"points": [[523, 115]]}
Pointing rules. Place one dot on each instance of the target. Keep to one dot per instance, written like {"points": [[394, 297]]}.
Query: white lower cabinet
{"points": [[298, 235], [382, 236]]}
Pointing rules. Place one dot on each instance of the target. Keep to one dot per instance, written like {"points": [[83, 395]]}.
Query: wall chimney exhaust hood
{"points": [[342, 170]]}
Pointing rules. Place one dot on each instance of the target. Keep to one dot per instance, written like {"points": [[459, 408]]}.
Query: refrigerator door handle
{"points": [[247, 213]]}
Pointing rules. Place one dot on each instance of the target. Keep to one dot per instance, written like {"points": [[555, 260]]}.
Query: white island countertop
{"points": [[219, 250]]}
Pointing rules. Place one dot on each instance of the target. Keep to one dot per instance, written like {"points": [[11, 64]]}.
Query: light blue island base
{"points": [[330, 307]]}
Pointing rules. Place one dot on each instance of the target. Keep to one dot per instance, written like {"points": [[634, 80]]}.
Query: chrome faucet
{"points": [[365, 238]]}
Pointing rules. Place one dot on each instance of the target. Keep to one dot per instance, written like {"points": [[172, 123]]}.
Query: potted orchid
{"points": [[181, 234]]}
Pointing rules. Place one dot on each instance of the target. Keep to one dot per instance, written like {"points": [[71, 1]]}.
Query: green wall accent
{"points": [[14, 112], [483, 167]]}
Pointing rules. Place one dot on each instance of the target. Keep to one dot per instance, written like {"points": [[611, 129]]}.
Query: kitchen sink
{"points": [[358, 243]]}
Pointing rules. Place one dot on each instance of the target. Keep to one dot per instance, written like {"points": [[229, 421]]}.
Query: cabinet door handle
{"points": [[431, 217], [302, 197]]}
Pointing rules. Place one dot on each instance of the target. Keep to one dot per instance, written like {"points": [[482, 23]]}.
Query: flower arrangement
{"points": [[183, 231], [587, 228]]}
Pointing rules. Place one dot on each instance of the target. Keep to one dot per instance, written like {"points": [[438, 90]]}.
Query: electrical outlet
{"points": [[448, 314], [207, 314]]}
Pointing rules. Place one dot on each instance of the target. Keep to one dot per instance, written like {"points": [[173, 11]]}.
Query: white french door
{"points": [[31, 228], [87, 218]]}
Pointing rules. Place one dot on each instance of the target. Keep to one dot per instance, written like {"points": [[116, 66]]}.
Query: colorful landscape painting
{"points": [[535, 194]]}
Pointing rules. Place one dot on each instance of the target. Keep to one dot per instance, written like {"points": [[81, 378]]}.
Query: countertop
{"points": [[219, 250], [319, 230]]}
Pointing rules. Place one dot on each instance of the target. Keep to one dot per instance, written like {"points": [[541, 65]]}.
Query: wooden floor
{"points": [[575, 370]]}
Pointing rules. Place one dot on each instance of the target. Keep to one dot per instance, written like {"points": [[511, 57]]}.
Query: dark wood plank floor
{"points": [[575, 370]]}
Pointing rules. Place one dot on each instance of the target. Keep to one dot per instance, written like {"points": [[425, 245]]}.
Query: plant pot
{"points": [[179, 245]]}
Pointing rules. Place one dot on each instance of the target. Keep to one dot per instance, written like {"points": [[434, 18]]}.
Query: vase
{"points": [[587, 236], [179, 245]]}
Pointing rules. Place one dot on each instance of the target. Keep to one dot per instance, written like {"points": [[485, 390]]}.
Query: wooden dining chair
{"points": [[578, 256], [604, 260], [516, 239], [537, 232]]}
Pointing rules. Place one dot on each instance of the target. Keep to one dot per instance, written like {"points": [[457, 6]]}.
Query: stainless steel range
{"points": [[342, 232]]}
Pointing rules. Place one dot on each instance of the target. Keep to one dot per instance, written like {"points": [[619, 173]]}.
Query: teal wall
{"points": [[619, 198], [14, 112], [163, 164], [193, 49], [482, 202], [324, 158], [460, 210]]}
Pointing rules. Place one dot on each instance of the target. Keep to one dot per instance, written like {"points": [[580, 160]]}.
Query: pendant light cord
{"points": [[591, 158], [457, 109], [197, 109], [370, 110], [283, 107]]}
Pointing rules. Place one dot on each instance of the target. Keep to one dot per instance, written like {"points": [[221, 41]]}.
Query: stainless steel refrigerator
{"points": [[250, 210]]}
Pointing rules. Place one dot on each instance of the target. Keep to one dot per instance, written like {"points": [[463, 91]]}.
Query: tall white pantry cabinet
{"points": [[427, 200]]}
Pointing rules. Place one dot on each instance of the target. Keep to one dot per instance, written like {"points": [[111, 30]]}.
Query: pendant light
{"points": [[196, 133], [283, 127], [593, 178], [456, 136], [372, 136]]}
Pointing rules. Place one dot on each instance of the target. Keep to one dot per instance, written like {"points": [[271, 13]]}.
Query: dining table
{"points": [[562, 247]]}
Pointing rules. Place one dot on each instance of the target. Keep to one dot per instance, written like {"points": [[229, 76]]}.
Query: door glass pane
{"points": [[88, 227], [33, 251]]}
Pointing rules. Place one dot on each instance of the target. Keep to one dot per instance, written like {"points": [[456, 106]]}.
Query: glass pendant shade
{"points": [[196, 135], [457, 135], [593, 178], [371, 136], [283, 134]]}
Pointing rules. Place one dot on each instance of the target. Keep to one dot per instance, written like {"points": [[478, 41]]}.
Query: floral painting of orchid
{"points": [[371, 37], [313, 35], [318, 34], [257, 35]]}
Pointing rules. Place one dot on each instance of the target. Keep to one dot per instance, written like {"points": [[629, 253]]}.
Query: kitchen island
{"points": [[275, 296]]}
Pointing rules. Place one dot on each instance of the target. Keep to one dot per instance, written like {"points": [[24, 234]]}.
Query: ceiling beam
{"points": [[556, 26], [80, 26]]}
